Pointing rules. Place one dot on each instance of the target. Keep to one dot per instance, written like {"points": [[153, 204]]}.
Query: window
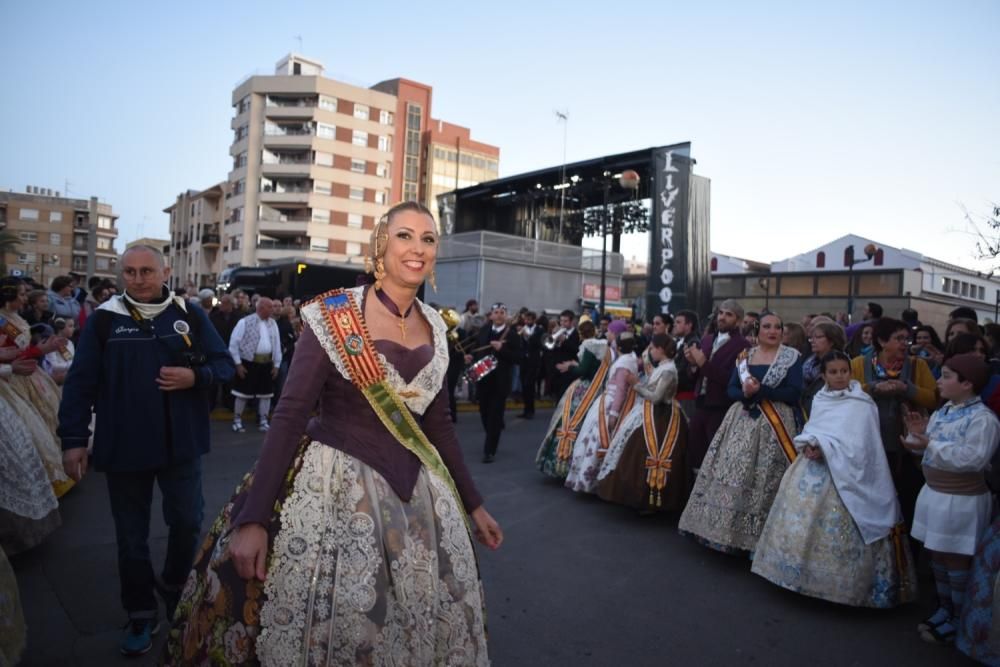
{"points": [[879, 257], [236, 215], [946, 284], [726, 287], [381, 197], [384, 117], [55, 239], [326, 131], [409, 192], [322, 187], [319, 245], [242, 131], [235, 243], [491, 165], [384, 144], [878, 284], [354, 220], [361, 111], [240, 186], [27, 258], [80, 242], [381, 171], [357, 194], [103, 264], [358, 166], [103, 243], [29, 214], [831, 285], [965, 288], [820, 260], [956, 286], [982, 294], [795, 286], [359, 138], [353, 249], [327, 103], [240, 160], [104, 222], [244, 105], [55, 216], [28, 236], [323, 159], [321, 215]]}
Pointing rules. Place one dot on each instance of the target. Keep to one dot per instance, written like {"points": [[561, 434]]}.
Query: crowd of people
{"points": [[827, 453]]}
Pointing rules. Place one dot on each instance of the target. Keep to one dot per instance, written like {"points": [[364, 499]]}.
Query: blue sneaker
{"points": [[138, 637]]}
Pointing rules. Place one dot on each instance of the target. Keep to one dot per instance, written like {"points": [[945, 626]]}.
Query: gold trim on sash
{"points": [[357, 352], [571, 426], [780, 432], [659, 454]]}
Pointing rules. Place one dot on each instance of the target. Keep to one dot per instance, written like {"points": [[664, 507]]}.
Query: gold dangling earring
{"points": [[433, 281], [368, 265], [379, 273]]}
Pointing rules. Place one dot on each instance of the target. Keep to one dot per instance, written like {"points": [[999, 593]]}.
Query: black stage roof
{"points": [[528, 204]]}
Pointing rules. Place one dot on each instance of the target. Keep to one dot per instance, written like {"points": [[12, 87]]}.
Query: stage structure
{"points": [[565, 203]]}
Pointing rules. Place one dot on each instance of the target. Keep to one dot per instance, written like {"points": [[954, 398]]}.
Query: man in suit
{"points": [[567, 346], [497, 339], [531, 345], [712, 363], [685, 332]]}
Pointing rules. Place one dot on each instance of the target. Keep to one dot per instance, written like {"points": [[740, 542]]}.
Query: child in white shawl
{"points": [[834, 530]]}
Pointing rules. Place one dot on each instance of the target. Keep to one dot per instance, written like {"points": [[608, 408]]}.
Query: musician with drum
{"points": [[497, 353]]}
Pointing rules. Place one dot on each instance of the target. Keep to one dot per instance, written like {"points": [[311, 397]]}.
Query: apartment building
{"points": [[316, 161], [59, 234], [195, 248], [453, 161]]}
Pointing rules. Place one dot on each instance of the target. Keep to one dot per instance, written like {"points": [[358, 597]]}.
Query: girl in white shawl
{"points": [[834, 530]]}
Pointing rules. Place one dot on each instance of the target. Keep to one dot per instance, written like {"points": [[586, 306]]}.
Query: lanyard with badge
{"points": [[181, 327]]}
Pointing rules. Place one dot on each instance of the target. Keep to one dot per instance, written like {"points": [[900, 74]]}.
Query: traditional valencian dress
{"points": [[29, 510], [35, 398], [979, 628], [596, 432], [644, 466], [592, 370], [835, 531], [753, 447], [370, 557]]}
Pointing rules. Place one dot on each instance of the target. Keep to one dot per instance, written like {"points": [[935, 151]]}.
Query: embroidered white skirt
{"points": [[950, 523], [359, 576]]}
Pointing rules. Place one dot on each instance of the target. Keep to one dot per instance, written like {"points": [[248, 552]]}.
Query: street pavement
{"points": [[577, 581]]}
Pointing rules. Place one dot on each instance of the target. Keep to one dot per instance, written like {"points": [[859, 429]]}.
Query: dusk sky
{"points": [[876, 118]]}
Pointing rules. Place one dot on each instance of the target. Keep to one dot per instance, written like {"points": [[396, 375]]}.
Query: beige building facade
{"points": [[194, 250], [59, 235], [315, 163]]}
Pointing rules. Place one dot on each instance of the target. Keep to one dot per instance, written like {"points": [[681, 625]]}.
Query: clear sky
{"points": [[878, 118]]}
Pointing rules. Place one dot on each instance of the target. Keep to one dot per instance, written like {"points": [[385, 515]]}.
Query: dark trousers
{"points": [[701, 430], [909, 479], [529, 374], [453, 375], [493, 393], [131, 495]]}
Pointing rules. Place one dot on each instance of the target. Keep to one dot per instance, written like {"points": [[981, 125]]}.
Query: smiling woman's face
{"points": [[411, 249]]}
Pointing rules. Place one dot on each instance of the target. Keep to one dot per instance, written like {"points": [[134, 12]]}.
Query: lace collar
{"points": [[419, 392], [784, 359]]}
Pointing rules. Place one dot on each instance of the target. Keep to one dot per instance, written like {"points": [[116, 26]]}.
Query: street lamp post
{"points": [[849, 260], [604, 238]]}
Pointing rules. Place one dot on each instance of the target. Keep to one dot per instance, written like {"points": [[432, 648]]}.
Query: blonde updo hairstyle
{"points": [[380, 239]]}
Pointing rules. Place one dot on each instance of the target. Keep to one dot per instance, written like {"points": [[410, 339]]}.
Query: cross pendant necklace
{"points": [[391, 306]]}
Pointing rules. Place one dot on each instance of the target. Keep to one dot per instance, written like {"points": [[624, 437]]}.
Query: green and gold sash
{"points": [[357, 352]]}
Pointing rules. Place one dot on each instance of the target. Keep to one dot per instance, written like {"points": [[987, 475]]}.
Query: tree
{"points": [[987, 228], [8, 244]]}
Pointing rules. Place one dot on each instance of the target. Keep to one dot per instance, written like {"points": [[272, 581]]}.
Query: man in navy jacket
{"points": [[144, 364]]}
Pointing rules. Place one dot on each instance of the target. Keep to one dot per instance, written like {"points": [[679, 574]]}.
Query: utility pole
{"points": [[562, 116]]}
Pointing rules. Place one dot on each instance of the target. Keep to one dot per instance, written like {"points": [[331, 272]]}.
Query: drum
{"points": [[480, 369]]}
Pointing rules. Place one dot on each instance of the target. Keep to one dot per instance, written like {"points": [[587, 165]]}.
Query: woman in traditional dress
{"points": [[752, 448], [13, 633], [604, 416], [644, 466], [29, 510], [350, 545], [979, 628], [835, 531], [28, 389], [591, 369]]}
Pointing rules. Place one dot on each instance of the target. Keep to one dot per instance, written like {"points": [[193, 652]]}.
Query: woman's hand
{"points": [[813, 453], [52, 343], [24, 366], [751, 387], [487, 530], [915, 422], [248, 549]]}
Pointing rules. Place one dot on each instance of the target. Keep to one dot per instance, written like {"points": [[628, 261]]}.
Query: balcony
{"points": [[290, 107], [210, 240]]}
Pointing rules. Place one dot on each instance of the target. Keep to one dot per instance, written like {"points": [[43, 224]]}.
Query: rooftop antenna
{"points": [[66, 184], [299, 38], [562, 117]]}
